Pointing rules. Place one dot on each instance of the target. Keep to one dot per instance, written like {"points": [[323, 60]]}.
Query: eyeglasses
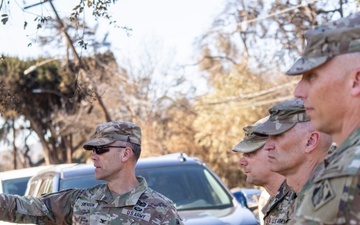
{"points": [[105, 148]]}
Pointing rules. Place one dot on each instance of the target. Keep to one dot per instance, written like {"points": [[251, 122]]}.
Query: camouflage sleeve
{"points": [[49, 209], [172, 217], [331, 201]]}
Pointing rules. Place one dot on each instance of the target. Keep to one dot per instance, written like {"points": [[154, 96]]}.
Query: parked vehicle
{"points": [[251, 195], [61, 177], [15, 181], [248, 197], [197, 192]]}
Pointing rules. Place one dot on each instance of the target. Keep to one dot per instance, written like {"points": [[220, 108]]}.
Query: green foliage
{"points": [[38, 90], [99, 9], [21, 87]]}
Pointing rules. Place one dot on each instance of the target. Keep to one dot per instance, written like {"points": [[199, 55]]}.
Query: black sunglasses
{"points": [[105, 148]]}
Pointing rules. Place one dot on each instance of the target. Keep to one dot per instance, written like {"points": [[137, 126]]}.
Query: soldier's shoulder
{"points": [[92, 192], [332, 201], [152, 195], [345, 164]]}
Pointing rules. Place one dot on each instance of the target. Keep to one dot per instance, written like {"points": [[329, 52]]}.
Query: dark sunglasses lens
{"points": [[100, 151]]}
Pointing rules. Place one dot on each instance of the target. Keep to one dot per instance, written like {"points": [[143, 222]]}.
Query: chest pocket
{"points": [[103, 218]]}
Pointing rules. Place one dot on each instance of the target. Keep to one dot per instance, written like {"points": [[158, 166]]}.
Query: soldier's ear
{"points": [[312, 141], [126, 154], [355, 79]]}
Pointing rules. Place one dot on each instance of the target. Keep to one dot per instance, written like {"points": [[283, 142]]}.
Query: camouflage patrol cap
{"points": [[110, 132], [283, 116], [251, 142], [326, 41]]}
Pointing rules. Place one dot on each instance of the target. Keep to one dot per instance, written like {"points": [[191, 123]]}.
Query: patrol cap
{"points": [[110, 132], [326, 41], [251, 142], [283, 116]]}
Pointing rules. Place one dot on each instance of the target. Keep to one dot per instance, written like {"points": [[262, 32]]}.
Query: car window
{"points": [[33, 188], [15, 186], [190, 187], [45, 186], [79, 182]]}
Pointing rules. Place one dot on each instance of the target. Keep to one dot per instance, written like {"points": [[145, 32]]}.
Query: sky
{"points": [[174, 23]]}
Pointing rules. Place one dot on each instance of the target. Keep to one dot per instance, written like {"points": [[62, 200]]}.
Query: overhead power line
{"points": [[255, 95], [278, 12]]}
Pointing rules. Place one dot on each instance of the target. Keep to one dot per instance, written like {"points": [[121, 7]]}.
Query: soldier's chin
{"points": [[98, 175]]}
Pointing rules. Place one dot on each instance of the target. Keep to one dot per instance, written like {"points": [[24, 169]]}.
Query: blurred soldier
{"points": [[295, 149], [330, 89], [125, 199], [255, 164]]}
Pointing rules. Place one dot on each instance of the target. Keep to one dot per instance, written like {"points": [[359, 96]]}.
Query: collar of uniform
{"points": [[128, 199], [350, 141], [283, 191], [340, 161]]}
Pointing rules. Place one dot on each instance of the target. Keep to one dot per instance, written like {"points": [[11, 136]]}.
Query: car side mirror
{"points": [[240, 197]]}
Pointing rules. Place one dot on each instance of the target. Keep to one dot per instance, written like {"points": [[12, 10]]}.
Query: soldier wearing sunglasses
{"points": [[124, 199]]}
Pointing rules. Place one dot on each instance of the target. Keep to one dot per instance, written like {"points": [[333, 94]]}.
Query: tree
{"points": [[268, 35], [242, 54], [41, 96], [156, 96], [48, 94], [239, 98], [98, 8], [62, 108]]}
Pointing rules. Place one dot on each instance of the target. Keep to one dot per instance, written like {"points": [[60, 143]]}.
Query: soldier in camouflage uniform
{"points": [[255, 163], [125, 199], [295, 149], [330, 89]]}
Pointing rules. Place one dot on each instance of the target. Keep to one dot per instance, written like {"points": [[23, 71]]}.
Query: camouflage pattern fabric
{"points": [[110, 132], [326, 41], [280, 208], [96, 205], [335, 196], [283, 116], [251, 142]]}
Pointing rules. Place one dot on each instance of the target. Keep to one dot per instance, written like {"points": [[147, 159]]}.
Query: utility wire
{"points": [[282, 87], [278, 12]]}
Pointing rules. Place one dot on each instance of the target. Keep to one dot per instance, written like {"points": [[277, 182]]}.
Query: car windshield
{"points": [[79, 182], [190, 187], [15, 186]]}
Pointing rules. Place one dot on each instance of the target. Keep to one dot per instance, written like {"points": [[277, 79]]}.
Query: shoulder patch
{"points": [[322, 193]]}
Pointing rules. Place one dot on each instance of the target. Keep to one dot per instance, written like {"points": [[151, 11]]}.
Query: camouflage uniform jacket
{"points": [[96, 205], [308, 185], [335, 196], [279, 208]]}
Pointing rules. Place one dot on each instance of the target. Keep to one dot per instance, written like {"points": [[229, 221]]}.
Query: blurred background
{"points": [[192, 74]]}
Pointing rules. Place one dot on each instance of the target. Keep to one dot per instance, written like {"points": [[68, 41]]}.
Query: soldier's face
{"points": [[109, 164], [324, 91], [286, 150], [256, 167]]}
